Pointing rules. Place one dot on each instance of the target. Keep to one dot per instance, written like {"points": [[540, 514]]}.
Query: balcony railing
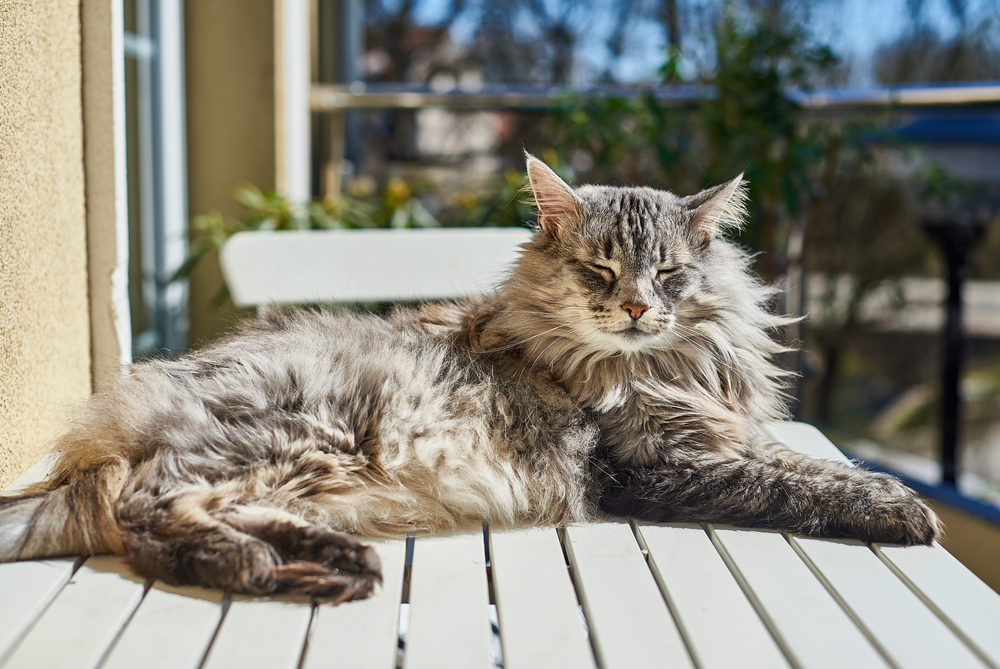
{"points": [[362, 95]]}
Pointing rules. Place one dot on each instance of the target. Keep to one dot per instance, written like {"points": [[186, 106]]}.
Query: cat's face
{"points": [[631, 265], [622, 270]]}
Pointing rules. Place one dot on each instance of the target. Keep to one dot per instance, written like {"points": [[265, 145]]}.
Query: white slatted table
{"points": [[614, 594]]}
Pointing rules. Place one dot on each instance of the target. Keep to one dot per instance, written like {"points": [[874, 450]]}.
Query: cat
{"points": [[624, 367]]}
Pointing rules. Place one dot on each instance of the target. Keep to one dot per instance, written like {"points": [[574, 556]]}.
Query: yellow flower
{"points": [[396, 192], [362, 187], [466, 200]]}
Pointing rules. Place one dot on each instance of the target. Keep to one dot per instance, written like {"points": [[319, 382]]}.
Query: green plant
{"points": [[361, 207], [499, 204]]}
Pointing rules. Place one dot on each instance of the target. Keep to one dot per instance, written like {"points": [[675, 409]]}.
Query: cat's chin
{"points": [[633, 334], [630, 340]]}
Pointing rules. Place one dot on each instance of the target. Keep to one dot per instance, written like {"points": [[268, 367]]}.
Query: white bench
{"points": [[610, 595], [315, 266]]}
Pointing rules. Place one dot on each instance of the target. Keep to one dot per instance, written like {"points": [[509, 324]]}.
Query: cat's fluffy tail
{"points": [[70, 518]]}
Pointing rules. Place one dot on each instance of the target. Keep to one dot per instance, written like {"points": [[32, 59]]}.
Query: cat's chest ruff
{"points": [[613, 399], [640, 417]]}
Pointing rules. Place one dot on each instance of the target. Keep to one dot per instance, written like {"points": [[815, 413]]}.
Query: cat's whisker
{"points": [[707, 343], [537, 357], [506, 311], [538, 298], [713, 357], [536, 336], [569, 346]]}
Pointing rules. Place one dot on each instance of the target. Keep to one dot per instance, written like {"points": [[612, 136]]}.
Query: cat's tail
{"points": [[72, 517]]}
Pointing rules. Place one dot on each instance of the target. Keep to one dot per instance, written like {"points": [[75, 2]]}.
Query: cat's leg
{"points": [[191, 538], [777, 489]]}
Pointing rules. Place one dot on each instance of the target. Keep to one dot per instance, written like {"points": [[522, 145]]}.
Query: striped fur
{"points": [[247, 465]]}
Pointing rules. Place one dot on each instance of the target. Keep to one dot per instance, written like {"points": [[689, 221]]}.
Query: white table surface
{"points": [[615, 594]]}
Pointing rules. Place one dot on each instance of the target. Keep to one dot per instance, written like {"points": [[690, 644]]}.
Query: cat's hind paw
{"points": [[329, 565], [327, 583]]}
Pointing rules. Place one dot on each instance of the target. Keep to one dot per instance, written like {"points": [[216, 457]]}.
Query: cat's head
{"points": [[627, 270]]}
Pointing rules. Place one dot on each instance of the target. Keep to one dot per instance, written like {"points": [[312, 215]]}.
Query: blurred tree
{"points": [[524, 41], [746, 120], [926, 54], [396, 41]]}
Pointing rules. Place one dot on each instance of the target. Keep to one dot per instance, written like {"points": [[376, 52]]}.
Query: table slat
{"points": [[955, 591], [26, 588], [629, 621], [910, 632], [171, 629], [261, 633], [707, 599], [361, 634], [89, 612], [813, 626], [536, 602], [449, 624], [806, 439]]}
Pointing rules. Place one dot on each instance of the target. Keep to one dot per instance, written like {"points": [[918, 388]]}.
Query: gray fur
{"points": [[15, 518], [241, 466]]}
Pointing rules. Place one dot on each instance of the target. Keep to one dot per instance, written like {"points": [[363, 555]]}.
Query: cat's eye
{"points": [[665, 272], [603, 270]]}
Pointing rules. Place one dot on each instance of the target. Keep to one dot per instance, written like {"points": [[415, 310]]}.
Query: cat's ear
{"points": [[718, 209], [557, 205]]}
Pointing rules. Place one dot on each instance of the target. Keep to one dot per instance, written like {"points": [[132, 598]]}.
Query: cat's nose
{"points": [[635, 310]]}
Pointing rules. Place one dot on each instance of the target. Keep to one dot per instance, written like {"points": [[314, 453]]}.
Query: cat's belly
{"points": [[452, 452], [450, 473], [456, 449]]}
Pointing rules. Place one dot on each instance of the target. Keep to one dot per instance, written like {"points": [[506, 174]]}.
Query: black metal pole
{"points": [[957, 238], [951, 379]]}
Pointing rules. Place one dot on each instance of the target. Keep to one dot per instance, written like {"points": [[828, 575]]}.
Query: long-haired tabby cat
{"points": [[623, 367]]}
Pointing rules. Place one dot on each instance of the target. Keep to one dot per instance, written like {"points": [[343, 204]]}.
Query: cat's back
{"points": [[303, 358]]}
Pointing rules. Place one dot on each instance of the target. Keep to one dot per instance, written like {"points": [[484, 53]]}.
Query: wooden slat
{"points": [[26, 588], [361, 634], [910, 632], [170, 630], [630, 625], [813, 627], [956, 592], [449, 625], [804, 438], [536, 602], [261, 633], [311, 266], [79, 626], [708, 599]]}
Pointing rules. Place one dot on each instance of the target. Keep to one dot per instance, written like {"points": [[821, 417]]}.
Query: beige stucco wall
{"points": [[229, 48], [44, 323]]}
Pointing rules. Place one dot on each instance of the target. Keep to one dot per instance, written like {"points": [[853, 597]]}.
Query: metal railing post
{"points": [[957, 237]]}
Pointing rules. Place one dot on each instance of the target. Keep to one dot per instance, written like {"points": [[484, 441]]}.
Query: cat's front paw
{"points": [[887, 511]]}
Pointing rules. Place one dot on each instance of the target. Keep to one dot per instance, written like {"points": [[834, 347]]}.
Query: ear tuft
{"points": [[720, 208], [556, 203]]}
